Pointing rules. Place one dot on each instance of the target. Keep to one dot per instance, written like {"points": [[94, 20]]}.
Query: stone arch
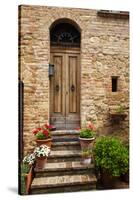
{"points": [[65, 20]]}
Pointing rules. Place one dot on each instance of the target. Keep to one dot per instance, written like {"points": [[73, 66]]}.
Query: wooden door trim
{"points": [[63, 50]]}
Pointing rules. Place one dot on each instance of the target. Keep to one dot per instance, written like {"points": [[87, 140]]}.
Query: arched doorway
{"points": [[65, 82]]}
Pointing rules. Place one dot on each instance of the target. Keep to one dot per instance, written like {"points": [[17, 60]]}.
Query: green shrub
{"points": [[120, 110], [86, 133], [25, 168], [110, 154]]}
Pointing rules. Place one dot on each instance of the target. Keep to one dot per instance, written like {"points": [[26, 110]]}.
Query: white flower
{"points": [[42, 151], [29, 159]]}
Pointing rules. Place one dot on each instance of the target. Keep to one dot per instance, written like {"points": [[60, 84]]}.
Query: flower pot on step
{"points": [[41, 162], [41, 153], [43, 135], [29, 178], [108, 181], [86, 160], [86, 143], [87, 155], [47, 142], [26, 180]]}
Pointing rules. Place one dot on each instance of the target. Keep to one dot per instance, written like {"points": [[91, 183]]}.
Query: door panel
{"points": [[57, 84], [72, 74], [65, 90], [73, 97], [57, 110]]}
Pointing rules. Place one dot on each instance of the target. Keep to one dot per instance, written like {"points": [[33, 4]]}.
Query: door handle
{"points": [[57, 88], [72, 88]]}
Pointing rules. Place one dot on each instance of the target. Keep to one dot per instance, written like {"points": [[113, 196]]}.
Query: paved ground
{"points": [[118, 185]]}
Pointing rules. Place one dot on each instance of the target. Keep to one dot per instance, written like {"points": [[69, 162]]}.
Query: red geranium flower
{"points": [[45, 132], [48, 126], [35, 131], [90, 126], [39, 129]]}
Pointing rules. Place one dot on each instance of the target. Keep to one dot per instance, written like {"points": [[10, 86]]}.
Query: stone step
{"points": [[65, 135], [69, 145], [66, 183], [65, 132], [64, 171], [64, 156], [64, 168], [65, 139], [61, 125]]}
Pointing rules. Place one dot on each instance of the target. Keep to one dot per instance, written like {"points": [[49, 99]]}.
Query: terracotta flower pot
{"points": [[86, 149], [47, 142], [41, 162], [86, 160], [108, 181], [28, 180], [86, 143]]}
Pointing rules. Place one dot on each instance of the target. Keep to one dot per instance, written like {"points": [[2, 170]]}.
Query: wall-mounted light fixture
{"points": [[51, 70]]}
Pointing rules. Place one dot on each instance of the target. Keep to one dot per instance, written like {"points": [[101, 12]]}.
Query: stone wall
{"points": [[104, 53]]}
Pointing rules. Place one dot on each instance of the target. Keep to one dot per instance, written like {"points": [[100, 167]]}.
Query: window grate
{"points": [[66, 35]]}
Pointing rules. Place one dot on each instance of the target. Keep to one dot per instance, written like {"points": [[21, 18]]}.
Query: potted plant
{"points": [[86, 135], [111, 160], [26, 169], [86, 138], [117, 113], [86, 156], [41, 154], [43, 135]]}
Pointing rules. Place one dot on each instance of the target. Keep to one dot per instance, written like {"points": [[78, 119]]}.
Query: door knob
{"points": [[57, 88], [72, 88]]}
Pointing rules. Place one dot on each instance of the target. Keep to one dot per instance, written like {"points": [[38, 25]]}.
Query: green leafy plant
{"points": [[88, 131], [111, 155], [120, 110], [24, 169]]}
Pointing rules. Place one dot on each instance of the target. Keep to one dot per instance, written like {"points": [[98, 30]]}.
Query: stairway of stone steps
{"points": [[64, 171]]}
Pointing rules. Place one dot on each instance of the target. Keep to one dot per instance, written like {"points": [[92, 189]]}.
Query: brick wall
{"points": [[104, 53]]}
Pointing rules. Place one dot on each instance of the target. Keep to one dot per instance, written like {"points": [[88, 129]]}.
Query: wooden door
{"points": [[65, 89]]}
